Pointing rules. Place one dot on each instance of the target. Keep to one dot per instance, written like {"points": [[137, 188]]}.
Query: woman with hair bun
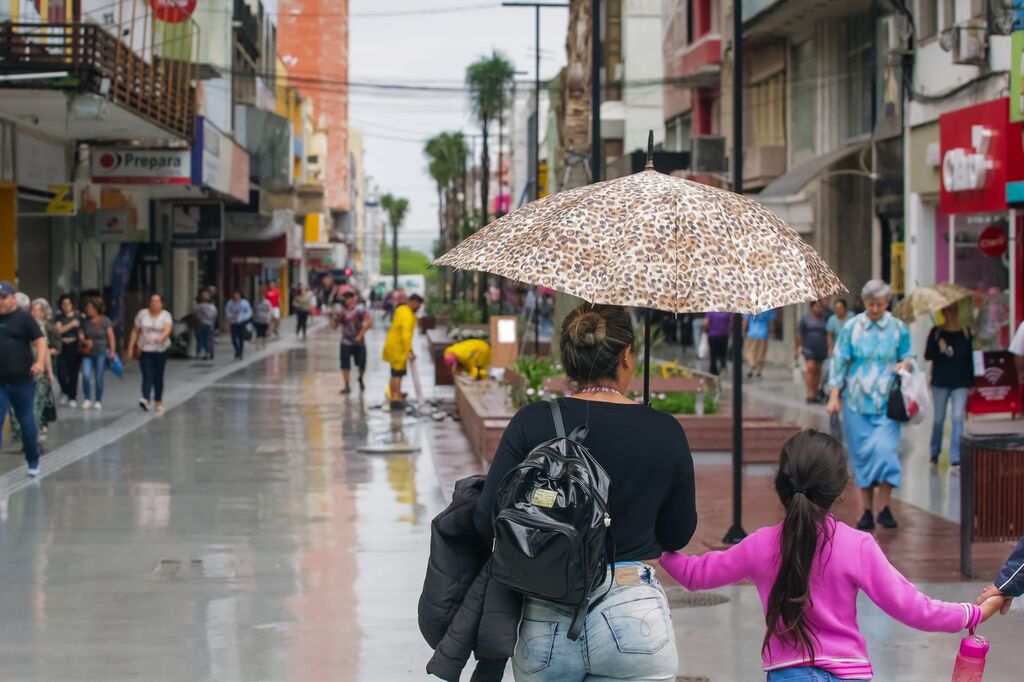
{"points": [[652, 507]]}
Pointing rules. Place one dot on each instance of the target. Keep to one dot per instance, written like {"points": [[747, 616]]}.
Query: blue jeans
{"points": [[802, 674], [93, 366], [204, 340], [22, 397], [940, 396], [627, 636]]}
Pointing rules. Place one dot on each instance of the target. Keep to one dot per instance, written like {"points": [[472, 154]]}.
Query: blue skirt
{"points": [[872, 440]]}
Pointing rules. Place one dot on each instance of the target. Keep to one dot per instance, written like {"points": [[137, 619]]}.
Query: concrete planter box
{"points": [[486, 411]]}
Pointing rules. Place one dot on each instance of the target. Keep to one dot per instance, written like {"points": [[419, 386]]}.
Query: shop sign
{"points": [[981, 152], [173, 11], [996, 384], [63, 201], [218, 162], [140, 166], [993, 241]]}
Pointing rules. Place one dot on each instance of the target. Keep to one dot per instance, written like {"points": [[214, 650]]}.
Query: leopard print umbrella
{"points": [[652, 240]]}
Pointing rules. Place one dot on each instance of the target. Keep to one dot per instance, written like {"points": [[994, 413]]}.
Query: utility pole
{"points": [[736, 533], [537, 6], [596, 172]]}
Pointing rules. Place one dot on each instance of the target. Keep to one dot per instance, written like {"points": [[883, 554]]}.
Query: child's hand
{"points": [[993, 591], [992, 605]]}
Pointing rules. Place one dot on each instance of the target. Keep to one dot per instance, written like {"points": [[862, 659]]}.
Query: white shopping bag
{"points": [[703, 348], [916, 397]]}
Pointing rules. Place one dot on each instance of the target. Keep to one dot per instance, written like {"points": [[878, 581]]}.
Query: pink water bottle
{"points": [[970, 662]]}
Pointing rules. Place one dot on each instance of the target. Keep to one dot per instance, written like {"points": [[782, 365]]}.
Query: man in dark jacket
{"points": [[461, 611], [1010, 581]]}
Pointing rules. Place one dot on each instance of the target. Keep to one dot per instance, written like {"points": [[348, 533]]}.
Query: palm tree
{"points": [[489, 79], [447, 154], [396, 208]]}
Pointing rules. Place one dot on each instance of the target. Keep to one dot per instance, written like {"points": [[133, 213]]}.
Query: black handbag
{"points": [[897, 409], [50, 408]]}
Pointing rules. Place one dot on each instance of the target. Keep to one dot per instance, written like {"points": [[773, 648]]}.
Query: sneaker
{"points": [[63, 400], [867, 521], [97, 406], [144, 404], [886, 520], [33, 471], [160, 411], [362, 385], [954, 469], [346, 390], [72, 403], [86, 404]]}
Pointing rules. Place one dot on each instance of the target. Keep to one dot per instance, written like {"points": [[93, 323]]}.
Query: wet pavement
{"points": [[243, 536]]}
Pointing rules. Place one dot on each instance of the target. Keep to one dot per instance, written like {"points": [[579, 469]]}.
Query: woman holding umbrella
{"points": [[870, 348], [950, 351]]}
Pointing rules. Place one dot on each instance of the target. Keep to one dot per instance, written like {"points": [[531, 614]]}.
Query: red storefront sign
{"points": [[996, 385], [993, 241], [173, 11], [980, 151]]}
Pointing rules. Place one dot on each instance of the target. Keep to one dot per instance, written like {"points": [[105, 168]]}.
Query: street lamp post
{"points": [[537, 6]]}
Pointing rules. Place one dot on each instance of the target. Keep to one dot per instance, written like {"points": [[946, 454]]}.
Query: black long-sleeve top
{"points": [[646, 456]]}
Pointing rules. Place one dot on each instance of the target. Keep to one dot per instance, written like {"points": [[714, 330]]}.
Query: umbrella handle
{"points": [[647, 357]]}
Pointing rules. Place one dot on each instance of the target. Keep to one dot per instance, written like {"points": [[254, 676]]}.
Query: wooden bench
{"points": [[485, 413], [991, 492], [437, 340]]}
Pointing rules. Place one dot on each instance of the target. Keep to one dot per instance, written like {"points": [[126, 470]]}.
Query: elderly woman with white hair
{"points": [[869, 349]]}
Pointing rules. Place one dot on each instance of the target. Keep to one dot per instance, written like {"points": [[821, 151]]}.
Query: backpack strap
{"points": [[556, 413]]}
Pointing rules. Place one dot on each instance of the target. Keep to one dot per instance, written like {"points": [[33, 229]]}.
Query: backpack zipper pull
{"points": [[607, 520]]}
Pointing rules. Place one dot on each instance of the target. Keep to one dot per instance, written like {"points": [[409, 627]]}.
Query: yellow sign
{"points": [[897, 267], [542, 179], [63, 201]]}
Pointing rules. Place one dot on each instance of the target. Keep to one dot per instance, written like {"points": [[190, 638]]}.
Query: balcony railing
{"points": [[155, 82]]}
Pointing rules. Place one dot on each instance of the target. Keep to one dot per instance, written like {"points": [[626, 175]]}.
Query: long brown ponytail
{"points": [[812, 474]]}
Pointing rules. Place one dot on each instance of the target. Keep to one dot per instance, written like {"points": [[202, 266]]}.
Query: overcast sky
{"points": [[430, 42]]}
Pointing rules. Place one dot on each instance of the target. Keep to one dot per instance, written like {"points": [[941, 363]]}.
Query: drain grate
{"points": [[690, 678], [680, 598], [211, 566]]}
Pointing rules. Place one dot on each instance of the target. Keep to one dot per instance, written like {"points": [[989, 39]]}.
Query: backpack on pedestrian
{"points": [[552, 529]]}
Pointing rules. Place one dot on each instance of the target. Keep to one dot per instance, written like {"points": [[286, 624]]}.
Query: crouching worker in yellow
{"points": [[398, 346], [472, 356]]}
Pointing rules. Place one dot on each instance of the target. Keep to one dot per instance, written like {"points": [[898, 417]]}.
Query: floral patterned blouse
{"points": [[863, 359]]}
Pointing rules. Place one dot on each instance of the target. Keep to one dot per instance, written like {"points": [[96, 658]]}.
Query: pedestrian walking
{"points": [[756, 331], [239, 314], [398, 346], [25, 354], [97, 343], [272, 294], [717, 326], [871, 347], [303, 304], [834, 324], [812, 344], [68, 322], [644, 452], [809, 569], [355, 321], [150, 338], [206, 320], [45, 406], [263, 319], [950, 350]]}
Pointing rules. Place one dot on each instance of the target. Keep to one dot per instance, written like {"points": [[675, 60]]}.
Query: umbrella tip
{"points": [[650, 150]]}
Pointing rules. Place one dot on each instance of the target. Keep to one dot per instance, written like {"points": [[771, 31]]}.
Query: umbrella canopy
{"points": [[929, 300], [652, 241]]}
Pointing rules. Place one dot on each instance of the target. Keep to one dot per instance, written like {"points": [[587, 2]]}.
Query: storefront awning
{"points": [[793, 181]]}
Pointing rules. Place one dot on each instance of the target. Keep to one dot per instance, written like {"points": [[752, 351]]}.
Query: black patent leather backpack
{"points": [[552, 537]]}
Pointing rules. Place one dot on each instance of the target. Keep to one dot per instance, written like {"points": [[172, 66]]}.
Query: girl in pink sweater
{"points": [[808, 570]]}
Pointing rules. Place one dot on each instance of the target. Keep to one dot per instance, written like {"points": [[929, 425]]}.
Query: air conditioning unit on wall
{"points": [[971, 44], [895, 34], [707, 154]]}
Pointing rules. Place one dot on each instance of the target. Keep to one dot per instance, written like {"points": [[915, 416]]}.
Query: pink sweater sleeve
{"points": [[710, 570], [898, 597]]}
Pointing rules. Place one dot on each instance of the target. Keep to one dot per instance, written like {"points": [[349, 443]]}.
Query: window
{"points": [[767, 106], [948, 14], [927, 20], [860, 62], [678, 133], [804, 96]]}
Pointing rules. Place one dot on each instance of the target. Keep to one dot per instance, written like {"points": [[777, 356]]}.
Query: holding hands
{"points": [[992, 600]]}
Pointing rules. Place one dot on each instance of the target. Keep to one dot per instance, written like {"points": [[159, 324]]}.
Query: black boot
{"points": [[867, 521], [886, 520]]}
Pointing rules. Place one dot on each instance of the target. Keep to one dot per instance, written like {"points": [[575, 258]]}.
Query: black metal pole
{"points": [[736, 532], [595, 91], [394, 256], [647, 356]]}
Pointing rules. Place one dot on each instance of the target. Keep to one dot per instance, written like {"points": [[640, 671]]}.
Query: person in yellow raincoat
{"points": [[472, 356], [398, 344]]}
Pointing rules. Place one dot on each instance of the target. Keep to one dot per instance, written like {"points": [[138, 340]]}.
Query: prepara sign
{"points": [[141, 166]]}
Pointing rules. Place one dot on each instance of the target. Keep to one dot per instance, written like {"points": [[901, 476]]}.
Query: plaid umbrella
{"points": [[652, 241], [929, 300]]}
